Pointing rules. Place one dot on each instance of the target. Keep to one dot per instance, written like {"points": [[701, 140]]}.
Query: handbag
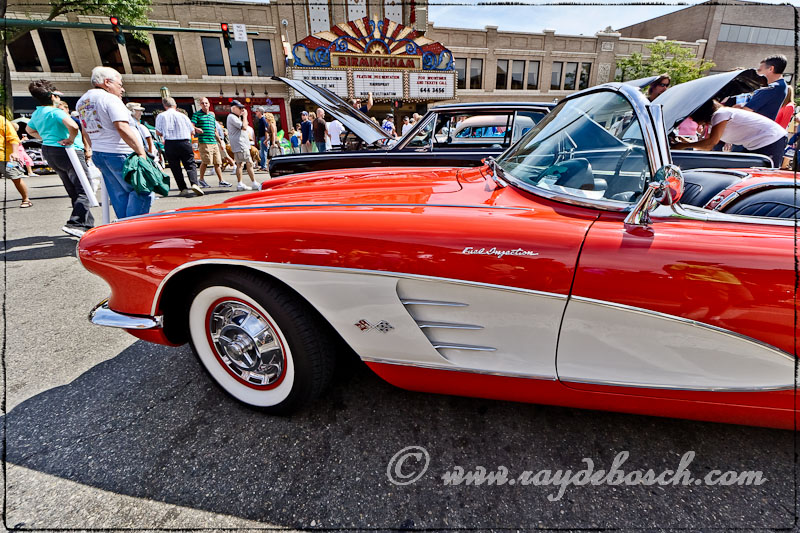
{"points": [[275, 150]]}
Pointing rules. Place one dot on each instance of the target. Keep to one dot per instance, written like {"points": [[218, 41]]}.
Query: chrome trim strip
{"points": [[732, 172], [664, 387], [456, 346], [101, 315], [236, 207], [750, 188], [565, 381], [405, 301], [688, 321], [656, 116], [255, 264], [445, 325], [679, 212], [458, 369]]}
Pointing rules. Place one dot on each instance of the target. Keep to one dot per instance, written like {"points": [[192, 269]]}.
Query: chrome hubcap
{"points": [[246, 343]]}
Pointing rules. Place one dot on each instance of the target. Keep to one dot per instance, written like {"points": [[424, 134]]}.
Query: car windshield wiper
{"points": [[497, 172]]}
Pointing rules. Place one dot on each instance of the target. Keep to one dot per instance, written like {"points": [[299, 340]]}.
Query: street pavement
{"points": [[106, 431]]}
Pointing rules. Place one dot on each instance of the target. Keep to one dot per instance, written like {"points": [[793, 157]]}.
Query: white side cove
{"points": [[612, 344], [434, 323]]}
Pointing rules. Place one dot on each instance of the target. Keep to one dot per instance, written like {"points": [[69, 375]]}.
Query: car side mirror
{"points": [[666, 188]]}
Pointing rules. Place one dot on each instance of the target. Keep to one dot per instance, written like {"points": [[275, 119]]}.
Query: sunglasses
{"points": [[663, 85]]}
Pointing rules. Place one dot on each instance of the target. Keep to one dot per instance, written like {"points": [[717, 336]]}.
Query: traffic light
{"points": [[117, 30], [226, 35]]}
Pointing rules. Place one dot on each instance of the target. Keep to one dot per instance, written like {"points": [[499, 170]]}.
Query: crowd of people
{"points": [[107, 134]]}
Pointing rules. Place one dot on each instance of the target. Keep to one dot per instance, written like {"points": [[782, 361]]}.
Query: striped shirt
{"points": [[208, 123], [174, 126]]}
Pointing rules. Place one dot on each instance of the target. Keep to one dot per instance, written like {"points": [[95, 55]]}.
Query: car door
{"points": [[683, 305]]}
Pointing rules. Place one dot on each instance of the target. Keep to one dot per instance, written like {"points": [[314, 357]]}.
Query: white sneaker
{"points": [[243, 187], [256, 186], [74, 231], [197, 190]]}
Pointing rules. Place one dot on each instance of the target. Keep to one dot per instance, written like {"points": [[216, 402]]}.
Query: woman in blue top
{"points": [[58, 131]]}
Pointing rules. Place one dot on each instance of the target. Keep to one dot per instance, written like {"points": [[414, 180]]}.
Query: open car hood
{"points": [[682, 100], [353, 119], [641, 83]]}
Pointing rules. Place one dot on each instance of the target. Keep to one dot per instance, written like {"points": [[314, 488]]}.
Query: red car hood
{"points": [[355, 186]]}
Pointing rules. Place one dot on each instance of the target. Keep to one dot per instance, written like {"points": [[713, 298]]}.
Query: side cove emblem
{"points": [[382, 326]]}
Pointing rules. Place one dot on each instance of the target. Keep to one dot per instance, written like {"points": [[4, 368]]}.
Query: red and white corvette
{"points": [[567, 272]]}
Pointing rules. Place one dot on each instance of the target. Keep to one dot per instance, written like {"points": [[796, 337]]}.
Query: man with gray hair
{"points": [[177, 131], [112, 136]]}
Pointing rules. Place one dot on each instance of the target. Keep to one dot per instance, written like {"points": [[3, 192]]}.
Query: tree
{"points": [[665, 57], [129, 12]]}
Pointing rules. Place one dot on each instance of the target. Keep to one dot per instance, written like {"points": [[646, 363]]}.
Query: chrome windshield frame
{"points": [[654, 137]]}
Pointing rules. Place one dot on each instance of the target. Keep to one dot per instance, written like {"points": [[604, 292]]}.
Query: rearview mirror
{"points": [[666, 188]]}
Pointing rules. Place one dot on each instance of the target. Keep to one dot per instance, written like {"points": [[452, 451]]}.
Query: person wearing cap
{"points": [[660, 85], [240, 145], [177, 131], [305, 133], [209, 143], [57, 131], [147, 138], [388, 126]]}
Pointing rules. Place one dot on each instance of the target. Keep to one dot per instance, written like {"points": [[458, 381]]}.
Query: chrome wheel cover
{"points": [[246, 343]]}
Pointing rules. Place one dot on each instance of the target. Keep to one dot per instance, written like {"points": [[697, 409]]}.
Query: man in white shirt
{"points": [[240, 145], [177, 131], [335, 130], [113, 136], [407, 125]]}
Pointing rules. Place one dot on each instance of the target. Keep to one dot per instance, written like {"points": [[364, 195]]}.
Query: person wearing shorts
{"points": [[209, 143], [240, 145], [10, 167]]}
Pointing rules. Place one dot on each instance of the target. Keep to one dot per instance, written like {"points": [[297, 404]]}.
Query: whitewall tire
{"points": [[259, 343]]}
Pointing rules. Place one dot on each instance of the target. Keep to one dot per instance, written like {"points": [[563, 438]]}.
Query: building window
{"points": [[319, 15], [213, 52], [533, 75], [240, 59], [55, 50], [393, 10], [167, 54], [461, 72], [502, 74], [475, 73], [586, 70], [139, 56], [570, 74], [356, 9], [263, 52], [109, 51], [24, 55], [734, 33], [555, 75], [517, 74]]}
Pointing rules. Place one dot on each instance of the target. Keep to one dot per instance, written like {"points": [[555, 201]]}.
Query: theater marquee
{"points": [[390, 60]]}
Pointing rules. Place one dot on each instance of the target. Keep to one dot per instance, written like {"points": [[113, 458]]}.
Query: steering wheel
{"points": [[628, 151]]}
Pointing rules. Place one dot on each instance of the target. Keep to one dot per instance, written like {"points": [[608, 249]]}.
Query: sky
{"points": [[569, 20]]}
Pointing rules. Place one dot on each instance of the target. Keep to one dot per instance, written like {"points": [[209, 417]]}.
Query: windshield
{"points": [[590, 147]]}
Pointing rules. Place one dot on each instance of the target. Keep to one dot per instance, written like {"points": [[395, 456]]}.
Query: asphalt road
{"points": [[105, 431]]}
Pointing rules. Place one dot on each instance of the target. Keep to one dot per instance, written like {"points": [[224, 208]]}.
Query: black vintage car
{"points": [[451, 135]]}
